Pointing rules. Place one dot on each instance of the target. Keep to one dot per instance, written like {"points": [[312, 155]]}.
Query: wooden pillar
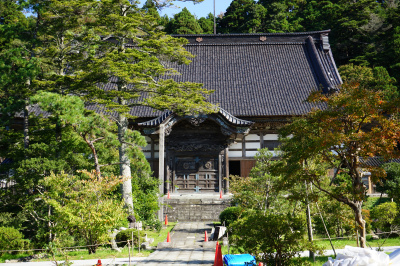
{"points": [[261, 140], [227, 169], [244, 147], [220, 172]]}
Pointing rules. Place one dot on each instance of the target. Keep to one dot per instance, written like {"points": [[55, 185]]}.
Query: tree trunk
{"points": [[309, 230], [26, 124], [94, 152], [125, 164], [361, 224]]}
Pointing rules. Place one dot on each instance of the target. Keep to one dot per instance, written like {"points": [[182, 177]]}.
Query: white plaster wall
{"points": [[251, 153], [252, 145], [234, 154], [271, 137], [237, 145], [252, 137]]}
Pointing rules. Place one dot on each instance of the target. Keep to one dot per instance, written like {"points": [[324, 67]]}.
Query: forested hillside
{"points": [[365, 32]]}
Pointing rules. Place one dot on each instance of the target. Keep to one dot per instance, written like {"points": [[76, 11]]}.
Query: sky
{"points": [[199, 10]]}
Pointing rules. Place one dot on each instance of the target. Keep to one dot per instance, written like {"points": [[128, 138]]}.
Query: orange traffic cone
{"points": [[216, 253], [98, 263], [219, 258], [205, 236], [166, 220], [168, 238], [220, 194], [168, 196]]}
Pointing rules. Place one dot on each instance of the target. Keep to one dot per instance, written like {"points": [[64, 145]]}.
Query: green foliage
{"points": [[12, 239], [15, 220], [85, 205], [59, 49], [273, 238], [384, 215], [352, 125], [391, 184], [184, 23], [144, 191], [261, 189], [271, 223], [338, 218], [207, 24], [230, 215], [130, 234], [242, 16], [376, 79]]}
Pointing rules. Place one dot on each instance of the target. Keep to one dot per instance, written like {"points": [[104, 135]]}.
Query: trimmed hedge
{"points": [[229, 215], [12, 239]]}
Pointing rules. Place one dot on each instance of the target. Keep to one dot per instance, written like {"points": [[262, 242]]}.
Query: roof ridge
{"points": [[245, 43], [252, 34]]}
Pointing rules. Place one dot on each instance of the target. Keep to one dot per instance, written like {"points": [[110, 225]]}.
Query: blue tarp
{"points": [[239, 260]]}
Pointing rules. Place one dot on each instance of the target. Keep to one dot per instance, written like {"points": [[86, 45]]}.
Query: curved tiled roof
{"points": [[258, 74], [230, 118]]}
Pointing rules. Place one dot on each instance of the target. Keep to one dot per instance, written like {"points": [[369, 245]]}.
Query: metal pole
{"points": [[215, 28]]}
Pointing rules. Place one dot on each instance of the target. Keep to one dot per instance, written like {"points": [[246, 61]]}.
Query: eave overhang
{"points": [[229, 123]]}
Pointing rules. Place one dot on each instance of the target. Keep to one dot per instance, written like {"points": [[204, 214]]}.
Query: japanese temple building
{"points": [[260, 82]]}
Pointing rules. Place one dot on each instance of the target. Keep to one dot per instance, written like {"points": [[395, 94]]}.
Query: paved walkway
{"points": [[187, 247]]}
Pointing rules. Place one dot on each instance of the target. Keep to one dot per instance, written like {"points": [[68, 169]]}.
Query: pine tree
{"points": [[130, 61], [184, 23]]}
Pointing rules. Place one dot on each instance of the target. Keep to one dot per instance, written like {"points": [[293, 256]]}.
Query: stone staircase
{"points": [[195, 207]]}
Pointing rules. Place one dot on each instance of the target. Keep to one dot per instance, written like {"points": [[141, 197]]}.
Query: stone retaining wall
{"points": [[194, 209]]}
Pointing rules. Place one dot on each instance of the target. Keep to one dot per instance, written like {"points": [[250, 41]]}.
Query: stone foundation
{"points": [[195, 207]]}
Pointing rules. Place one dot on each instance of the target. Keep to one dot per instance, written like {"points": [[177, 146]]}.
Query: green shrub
{"points": [[12, 239], [273, 238], [384, 215], [125, 235], [229, 215], [153, 224]]}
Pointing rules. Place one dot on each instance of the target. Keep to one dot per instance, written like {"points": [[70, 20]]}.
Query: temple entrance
{"points": [[196, 174], [195, 157]]}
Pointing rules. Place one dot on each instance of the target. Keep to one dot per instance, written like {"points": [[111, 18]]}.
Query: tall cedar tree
{"points": [[207, 24], [242, 16], [184, 23], [345, 128], [18, 63]]}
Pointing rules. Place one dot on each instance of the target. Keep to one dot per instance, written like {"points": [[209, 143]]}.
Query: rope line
{"points": [[45, 249]]}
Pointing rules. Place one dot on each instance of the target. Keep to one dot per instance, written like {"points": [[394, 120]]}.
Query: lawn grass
{"points": [[7, 256], [374, 201], [341, 243], [102, 252], [319, 261]]}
